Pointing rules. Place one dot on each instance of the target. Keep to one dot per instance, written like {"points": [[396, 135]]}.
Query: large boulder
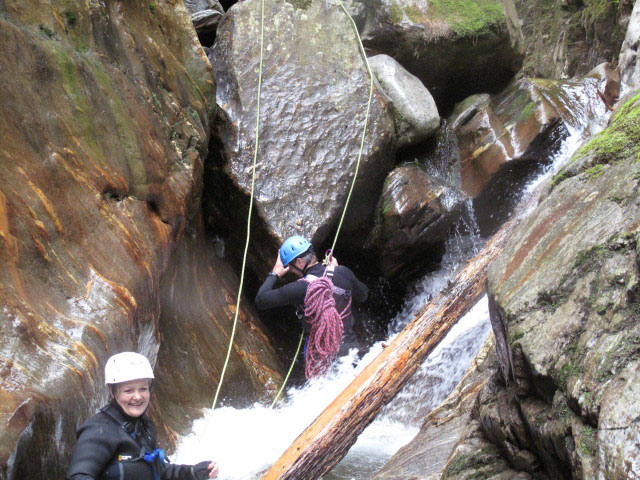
{"points": [[413, 217], [567, 38], [198, 304], [106, 109], [629, 65], [314, 97], [505, 139], [456, 48], [564, 307], [415, 112]]}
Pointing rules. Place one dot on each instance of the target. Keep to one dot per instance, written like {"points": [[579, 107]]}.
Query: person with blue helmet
{"points": [[296, 255]]}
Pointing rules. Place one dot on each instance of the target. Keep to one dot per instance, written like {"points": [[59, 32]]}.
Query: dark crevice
{"points": [[112, 193]]}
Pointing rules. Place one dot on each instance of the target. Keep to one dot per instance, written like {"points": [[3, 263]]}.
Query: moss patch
{"points": [[485, 457], [72, 18], [395, 13], [620, 140], [588, 441], [467, 17]]}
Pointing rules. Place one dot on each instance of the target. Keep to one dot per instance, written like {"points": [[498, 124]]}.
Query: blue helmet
{"points": [[292, 248]]}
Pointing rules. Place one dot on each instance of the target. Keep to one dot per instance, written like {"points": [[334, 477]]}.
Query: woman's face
{"points": [[133, 396]]}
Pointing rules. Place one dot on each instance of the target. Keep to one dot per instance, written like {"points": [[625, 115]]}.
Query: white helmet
{"points": [[126, 366]]}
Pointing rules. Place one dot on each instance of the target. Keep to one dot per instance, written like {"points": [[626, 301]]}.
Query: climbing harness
{"points": [[150, 458], [323, 345], [253, 183], [326, 324]]}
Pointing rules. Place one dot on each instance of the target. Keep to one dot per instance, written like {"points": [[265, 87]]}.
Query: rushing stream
{"points": [[245, 442]]}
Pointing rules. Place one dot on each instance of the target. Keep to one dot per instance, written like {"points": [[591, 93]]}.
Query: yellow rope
{"points": [[366, 121], [355, 175], [253, 182], [290, 369]]}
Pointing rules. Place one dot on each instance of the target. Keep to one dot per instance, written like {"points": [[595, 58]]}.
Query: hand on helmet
{"points": [[278, 268]]}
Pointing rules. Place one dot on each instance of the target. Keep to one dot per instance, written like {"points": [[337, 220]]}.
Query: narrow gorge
{"points": [[127, 138]]}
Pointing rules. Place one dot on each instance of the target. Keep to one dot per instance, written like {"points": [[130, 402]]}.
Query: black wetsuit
{"points": [[110, 446], [348, 286]]}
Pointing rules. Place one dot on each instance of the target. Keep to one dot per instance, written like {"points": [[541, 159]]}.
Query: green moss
{"points": [[595, 171], [72, 18], [620, 139], [301, 4], [395, 13], [527, 111], [47, 31], [560, 177], [588, 259], [467, 17], [567, 371], [475, 461], [415, 14], [551, 300], [152, 7], [517, 335], [627, 349], [587, 441], [595, 10]]}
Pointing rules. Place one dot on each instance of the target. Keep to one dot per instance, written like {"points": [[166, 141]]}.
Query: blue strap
{"points": [[150, 457]]}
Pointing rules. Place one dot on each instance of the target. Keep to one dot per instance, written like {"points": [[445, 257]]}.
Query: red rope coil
{"points": [[326, 326]]}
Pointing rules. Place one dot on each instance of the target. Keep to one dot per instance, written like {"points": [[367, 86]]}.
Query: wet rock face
{"points": [[315, 90], [105, 116], [629, 65], [455, 48], [415, 112], [506, 138], [565, 309], [413, 216], [205, 16], [565, 38], [198, 301]]}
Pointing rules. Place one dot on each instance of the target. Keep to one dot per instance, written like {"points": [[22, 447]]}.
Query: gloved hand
{"points": [[204, 470]]}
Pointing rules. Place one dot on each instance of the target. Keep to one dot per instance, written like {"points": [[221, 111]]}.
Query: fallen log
{"points": [[328, 439]]}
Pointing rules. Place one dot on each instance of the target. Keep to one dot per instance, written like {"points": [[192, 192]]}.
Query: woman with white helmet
{"points": [[119, 442]]}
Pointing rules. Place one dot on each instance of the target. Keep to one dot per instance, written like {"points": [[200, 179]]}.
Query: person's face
{"points": [[133, 396], [297, 266]]}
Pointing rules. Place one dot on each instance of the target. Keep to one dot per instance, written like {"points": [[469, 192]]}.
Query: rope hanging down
{"points": [[253, 179], [253, 183], [308, 360], [366, 121]]}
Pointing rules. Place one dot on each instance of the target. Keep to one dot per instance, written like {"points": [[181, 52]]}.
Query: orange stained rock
{"points": [[45, 203]]}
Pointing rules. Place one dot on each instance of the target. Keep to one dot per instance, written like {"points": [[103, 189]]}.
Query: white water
{"points": [[245, 442]]}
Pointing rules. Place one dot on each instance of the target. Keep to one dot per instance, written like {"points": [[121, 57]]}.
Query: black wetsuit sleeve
{"points": [[92, 453], [359, 290], [290, 294], [180, 472]]}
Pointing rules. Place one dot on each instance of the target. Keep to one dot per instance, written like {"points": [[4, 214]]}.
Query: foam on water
{"points": [[246, 441]]}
